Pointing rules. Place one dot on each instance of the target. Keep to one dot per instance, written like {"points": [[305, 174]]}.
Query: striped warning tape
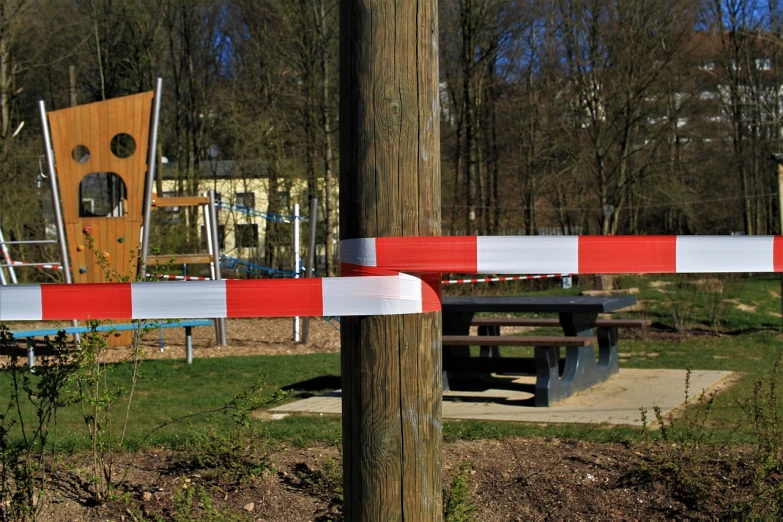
{"points": [[170, 277], [568, 254], [498, 279], [51, 266], [379, 280], [374, 295]]}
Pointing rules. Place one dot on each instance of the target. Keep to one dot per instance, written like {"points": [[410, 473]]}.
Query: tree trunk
{"points": [[326, 129]]}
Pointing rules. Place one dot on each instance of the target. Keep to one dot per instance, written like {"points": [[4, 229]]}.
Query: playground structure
{"points": [[100, 157], [101, 165], [97, 155], [253, 268]]}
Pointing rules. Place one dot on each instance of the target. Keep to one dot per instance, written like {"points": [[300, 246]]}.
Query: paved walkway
{"points": [[616, 401]]}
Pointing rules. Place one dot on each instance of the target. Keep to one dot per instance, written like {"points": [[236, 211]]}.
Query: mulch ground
{"points": [[513, 479]]}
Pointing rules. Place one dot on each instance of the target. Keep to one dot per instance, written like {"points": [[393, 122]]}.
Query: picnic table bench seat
{"points": [[515, 340], [523, 321], [546, 347]]}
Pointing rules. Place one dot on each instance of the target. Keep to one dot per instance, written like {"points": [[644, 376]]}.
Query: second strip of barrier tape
{"points": [[393, 276]]}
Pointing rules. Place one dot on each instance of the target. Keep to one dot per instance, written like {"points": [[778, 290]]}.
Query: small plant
{"points": [[683, 306], [230, 456], [28, 447], [714, 295], [239, 453], [325, 481], [458, 505], [99, 397], [106, 407], [192, 503], [692, 430], [762, 410], [688, 443]]}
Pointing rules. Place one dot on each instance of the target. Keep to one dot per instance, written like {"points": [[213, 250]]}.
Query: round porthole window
{"points": [[80, 154], [123, 145]]}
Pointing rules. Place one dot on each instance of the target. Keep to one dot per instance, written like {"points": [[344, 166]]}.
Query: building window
{"points": [[284, 198], [763, 64], [247, 236], [246, 199], [221, 237]]}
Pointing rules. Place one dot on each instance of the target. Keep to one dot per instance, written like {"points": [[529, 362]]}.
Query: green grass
{"points": [[748, 344], [169, 389]]}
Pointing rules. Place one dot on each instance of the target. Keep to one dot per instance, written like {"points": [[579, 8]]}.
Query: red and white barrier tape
{"points": [[498, 279], [374, 295], [568, 254], [385, 285], [50, 266], [170, 277]]}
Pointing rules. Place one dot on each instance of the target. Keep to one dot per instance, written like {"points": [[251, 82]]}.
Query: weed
{"points": [[240, 452], [99, 395], [27, 455], [714, 296], [762, 410], [326, 482], [692, 430], [233, 456], [458, 504], [688, 443], [193, 504], [682, 307]]}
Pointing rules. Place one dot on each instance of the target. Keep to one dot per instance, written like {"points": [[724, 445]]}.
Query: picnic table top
{"points": [[543, 304]]}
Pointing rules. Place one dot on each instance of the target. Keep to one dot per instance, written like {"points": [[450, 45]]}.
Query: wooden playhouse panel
{"points": [[94, 126]]}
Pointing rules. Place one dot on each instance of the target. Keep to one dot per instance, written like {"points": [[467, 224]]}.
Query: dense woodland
{"points": [[557, 116]]}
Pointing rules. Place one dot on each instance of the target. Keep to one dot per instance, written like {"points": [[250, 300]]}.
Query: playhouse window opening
{"points": [[102, 194]]}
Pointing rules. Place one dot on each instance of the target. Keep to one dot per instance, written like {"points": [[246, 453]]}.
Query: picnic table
{"points": [[556, 379]]}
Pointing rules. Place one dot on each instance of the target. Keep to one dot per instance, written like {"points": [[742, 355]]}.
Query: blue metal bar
{"points": [[108, 328]]}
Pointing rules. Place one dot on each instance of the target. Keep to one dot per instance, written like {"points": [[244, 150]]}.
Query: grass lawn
{"points": [[748, 341]]}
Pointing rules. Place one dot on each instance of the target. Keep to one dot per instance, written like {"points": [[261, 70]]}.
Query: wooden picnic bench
{"points": [[542, 322], [489, 345], [187, 324], [605, 328], [556, 378]]}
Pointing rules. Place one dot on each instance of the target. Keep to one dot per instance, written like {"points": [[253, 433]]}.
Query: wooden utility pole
{"points": [[390, 186], [779, 159]]}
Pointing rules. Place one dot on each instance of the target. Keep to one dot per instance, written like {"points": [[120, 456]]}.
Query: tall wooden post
{"points": [[390, 186], [778, 157]]}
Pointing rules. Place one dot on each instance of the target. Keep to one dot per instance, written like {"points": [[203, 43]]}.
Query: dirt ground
{"points": [[514, 479]]}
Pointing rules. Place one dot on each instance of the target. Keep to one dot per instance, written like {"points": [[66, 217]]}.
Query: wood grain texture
{"points": [[179, 201], [390, 186], [94, 125]]}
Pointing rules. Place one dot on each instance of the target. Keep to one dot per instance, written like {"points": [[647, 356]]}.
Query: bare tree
{"points": [[614, 54]]}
